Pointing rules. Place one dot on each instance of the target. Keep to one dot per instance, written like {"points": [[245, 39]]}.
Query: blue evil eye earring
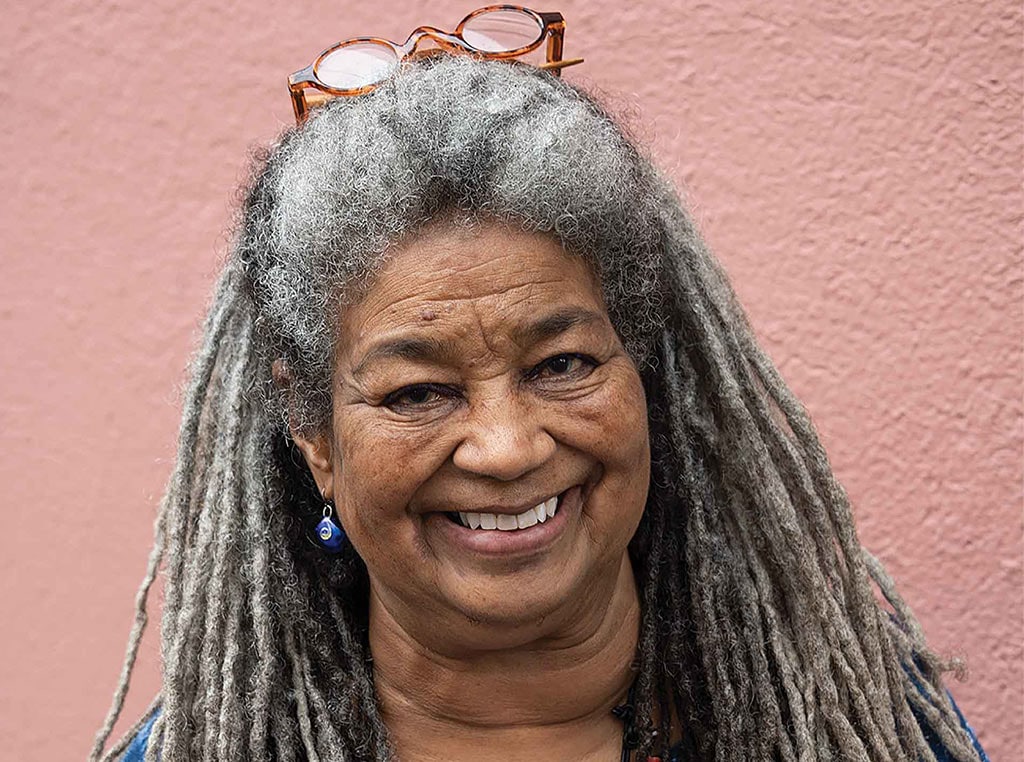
{"points": [[330, 535]]}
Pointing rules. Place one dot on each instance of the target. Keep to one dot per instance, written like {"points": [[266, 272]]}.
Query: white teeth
{"points": [[527, 518], [507, 522], [551, 506]]}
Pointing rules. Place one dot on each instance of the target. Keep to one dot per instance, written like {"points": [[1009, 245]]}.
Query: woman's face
{"points": [[478, 379]]}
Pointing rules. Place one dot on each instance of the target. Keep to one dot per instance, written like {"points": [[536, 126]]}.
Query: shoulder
{"points": [[937, 747], [136, 751], [678, 754]]}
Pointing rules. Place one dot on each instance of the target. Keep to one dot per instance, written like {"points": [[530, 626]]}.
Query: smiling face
{"points": [[480, 375]]}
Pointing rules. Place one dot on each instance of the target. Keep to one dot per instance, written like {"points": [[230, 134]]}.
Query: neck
{"points": [[447, 693]]}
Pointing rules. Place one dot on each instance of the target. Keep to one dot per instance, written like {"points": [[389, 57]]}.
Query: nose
{"points": [[504, 438]]}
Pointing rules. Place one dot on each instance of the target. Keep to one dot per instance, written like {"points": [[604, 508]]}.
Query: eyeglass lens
{"points": [[357, 65], [360, 64], [501, 31]]}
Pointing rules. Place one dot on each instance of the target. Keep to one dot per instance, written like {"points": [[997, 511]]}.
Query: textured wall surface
{"points": [[857, 167]]}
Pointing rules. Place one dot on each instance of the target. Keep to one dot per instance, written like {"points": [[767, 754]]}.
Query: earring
{"points": [[331, 536]]}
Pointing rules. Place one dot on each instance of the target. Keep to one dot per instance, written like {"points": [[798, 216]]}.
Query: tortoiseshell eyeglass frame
{"points": [[551, 26]]}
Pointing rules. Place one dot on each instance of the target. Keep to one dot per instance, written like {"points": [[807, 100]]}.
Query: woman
{"points": [[480, 460]]}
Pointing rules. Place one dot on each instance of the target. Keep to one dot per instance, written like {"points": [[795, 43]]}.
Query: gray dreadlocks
{"points": [[767, 631]]}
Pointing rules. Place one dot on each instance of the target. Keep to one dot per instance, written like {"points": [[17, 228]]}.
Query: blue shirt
{"points": [[136, 752]]}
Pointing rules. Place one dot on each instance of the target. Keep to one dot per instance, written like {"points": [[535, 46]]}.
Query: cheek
{"points": [[630, 424], [615, 424], [610, 428], [631, 440], [375, 475], [620, 443]]}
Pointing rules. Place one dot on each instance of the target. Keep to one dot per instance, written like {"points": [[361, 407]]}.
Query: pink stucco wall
{"points": [[857, 167]]}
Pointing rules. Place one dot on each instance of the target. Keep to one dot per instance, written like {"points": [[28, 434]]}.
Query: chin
{"points": [[514, 611]]}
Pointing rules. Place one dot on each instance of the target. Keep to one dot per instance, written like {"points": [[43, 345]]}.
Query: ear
{"points": [[317, 451], [316, 448]]}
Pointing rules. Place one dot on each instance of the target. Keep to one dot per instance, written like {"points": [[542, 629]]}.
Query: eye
{"points": [[568, 365], [417, 396]]}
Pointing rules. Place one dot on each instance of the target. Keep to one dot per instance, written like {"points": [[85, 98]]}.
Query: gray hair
{"points": [[760, 629], [506, 142]]}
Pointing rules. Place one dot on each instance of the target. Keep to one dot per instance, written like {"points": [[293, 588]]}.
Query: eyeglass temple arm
{"points": [[557, 66]]}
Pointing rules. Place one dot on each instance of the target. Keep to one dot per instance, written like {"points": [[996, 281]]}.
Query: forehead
{"points": [[489, 273]]}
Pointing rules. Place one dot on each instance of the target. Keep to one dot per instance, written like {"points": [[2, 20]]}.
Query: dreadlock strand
{"points": [[683, 669], [231, 712], [646, 679], [866, 614], [360, 693], [714, 629], [850, 646], [126, 739], [219, 652], [156, 735], [784, 656], [738, 511], [237, 660], [141, 619], [264, 635], [214, 645], [300, 688], [770, 735], [702, 555], [920, 670], [935, 711], [180, 663], [826, 491], [328, 738], [180, 606]]}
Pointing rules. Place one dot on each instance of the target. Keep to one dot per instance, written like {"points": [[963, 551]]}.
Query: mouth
{"points": [[508, 536], [507, 522]]}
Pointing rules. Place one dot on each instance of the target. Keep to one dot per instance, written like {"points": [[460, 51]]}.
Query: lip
{"points": [[520, 542]]}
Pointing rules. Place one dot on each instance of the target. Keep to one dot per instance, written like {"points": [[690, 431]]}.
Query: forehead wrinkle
{"points": [[453, 292], [461, 263], [494, 303]]}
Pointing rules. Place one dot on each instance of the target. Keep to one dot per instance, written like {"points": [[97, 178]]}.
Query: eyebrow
{"points": [[427, 349], [556, 324], [416, 349]]}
